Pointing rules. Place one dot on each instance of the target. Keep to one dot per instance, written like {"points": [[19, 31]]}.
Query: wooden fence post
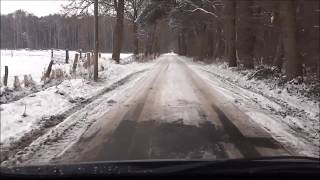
{"points": [[74, 67], [47, 75], [67, 56], [16, 84], [51, 53], [80, 53], [5, 79]]}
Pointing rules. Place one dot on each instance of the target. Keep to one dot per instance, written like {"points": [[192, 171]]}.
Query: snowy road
{"points": [[166, 112], [171, 113]]}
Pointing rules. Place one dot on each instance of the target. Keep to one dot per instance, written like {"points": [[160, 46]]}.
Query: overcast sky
{"points": [[36, 7]]}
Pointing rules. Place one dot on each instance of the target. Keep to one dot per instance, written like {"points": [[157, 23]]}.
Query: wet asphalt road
{"points": [[172, 113]]}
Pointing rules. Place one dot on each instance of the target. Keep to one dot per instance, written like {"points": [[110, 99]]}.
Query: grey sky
{"points": [[36, 7]]}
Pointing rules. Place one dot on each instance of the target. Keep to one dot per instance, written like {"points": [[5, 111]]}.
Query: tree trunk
{"points": [[180, 43], [245, 35], [278, 59], [183, 44], [203, 43], [135, 39], [96, 41], [230, 32], [289, 30], [118, 32], [210, 41], [155, 41], [217, 47]]}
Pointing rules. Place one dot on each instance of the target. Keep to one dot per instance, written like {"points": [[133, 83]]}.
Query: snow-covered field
{"points": [[51, 104], [34, 62], [290, 117]]}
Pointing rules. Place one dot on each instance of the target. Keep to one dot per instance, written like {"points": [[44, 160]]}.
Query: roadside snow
{"points": [[289, 117], [54, 101], [58, 139]]}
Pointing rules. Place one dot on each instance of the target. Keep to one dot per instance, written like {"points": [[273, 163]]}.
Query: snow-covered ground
{"points": [[289, 117], [34, 62], [49, 106]]}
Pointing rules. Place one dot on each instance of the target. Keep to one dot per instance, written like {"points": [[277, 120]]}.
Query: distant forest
{"points": [[23, 30]]}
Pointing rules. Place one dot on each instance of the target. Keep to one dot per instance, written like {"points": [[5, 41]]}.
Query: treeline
{"points": [[245, 33], [23, 30]]}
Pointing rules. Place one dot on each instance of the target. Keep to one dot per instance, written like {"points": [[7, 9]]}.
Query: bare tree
{"points": [[133, 10], [108, 7]]}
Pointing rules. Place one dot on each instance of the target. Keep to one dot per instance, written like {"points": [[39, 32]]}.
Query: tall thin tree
{"points": [[289, 35], [96, 40]]}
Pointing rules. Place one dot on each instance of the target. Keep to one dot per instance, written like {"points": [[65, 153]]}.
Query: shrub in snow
{"points": [[31, 81], [59, 73], [16, 84], [26, 81], [53, 74]]}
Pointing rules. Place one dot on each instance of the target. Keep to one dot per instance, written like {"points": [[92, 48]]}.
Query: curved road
{"points": [[172, 113]]}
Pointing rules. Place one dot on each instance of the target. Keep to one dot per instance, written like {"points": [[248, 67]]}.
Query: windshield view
{"points": [[86, 81]]}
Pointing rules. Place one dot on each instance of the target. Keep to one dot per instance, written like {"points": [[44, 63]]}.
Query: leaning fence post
{"points": [[74, 67], [5, 78], [67, 56], [47, 75]]}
